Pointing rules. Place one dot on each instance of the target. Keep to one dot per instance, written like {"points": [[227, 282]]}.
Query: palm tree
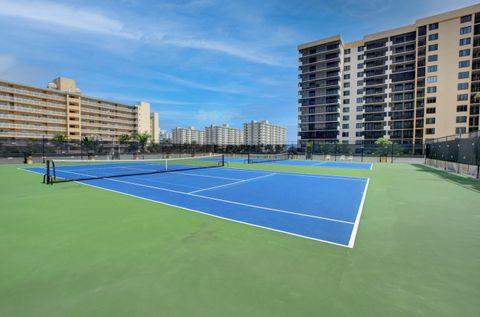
{"points": [[142, 139], [124, 138]]}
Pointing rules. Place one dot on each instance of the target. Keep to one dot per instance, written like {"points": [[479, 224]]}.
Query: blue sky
{"points": [[197, 62]]}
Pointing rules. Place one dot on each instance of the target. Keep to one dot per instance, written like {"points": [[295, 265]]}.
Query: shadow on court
{"points": [[464, 181]]}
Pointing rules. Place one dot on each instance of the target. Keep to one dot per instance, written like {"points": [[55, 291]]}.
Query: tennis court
{"points": [[319, 207]]}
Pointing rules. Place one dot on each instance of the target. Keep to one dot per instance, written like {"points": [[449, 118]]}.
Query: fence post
{"points": [[391, 159], [43, 149]]}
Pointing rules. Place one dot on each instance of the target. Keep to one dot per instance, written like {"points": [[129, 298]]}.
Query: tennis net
{"points": [[58, 171], [263, 158]]}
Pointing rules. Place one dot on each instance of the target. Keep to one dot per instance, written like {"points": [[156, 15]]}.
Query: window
{"points": [[433, 37], [432, 79], [461, 119], [345, 134], [430, 120], [433, 58], [358, 125], [359, 117], [360, 74], [358, 134], [346, 101], [465, 41], [346, 68], [462, 108], [432, 47], [465, 30], [345, 126], [463, 64], [346, 93], [431, 99], [312, 51], [360, 66], [346, 59], [462, 86], [346, 76], [346, 118], [460, 130], [359, 100], [432, 89], [359, 91], [430, 131], [360, 57], [346, 109], [433, 26], [462, 97], [432, 68], [431, 110], [359, 108], [346, 85], [360, 48], [360, 83], [466, 18], [463, 53], [463, 75], [347, 51]]}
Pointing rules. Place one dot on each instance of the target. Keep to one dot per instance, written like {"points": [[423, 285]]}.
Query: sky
{"points": [[198, 62]]}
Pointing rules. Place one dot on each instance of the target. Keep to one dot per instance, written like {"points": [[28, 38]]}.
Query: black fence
{"points": [[460, 153], [38, 150]]}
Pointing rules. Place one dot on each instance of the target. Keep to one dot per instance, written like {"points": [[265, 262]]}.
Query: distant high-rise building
{"points": [[60, 109], [223, 135], [187, 136], [263, 133], [410, 84], [154, 127]]}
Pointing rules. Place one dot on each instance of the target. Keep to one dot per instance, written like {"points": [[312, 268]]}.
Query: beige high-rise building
{"points": [[410, 84], [223, 135], [188, 135], [60, 109], [263, 133], [155, 127]]}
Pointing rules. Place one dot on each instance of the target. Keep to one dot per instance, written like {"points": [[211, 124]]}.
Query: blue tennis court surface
{"points": [[324, 208], [329, 164]]}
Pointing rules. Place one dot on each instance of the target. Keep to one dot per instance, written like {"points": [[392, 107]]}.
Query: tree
{"points": [[59, 137], [124, 138], [476, 97], [383, 146], [142, 139], [383, 141]]}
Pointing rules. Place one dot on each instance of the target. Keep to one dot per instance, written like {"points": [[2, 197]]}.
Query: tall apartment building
{"points": [[154, 127], [187, 136], [31, 112], [410, 84], [223, 135], [263, 132]]}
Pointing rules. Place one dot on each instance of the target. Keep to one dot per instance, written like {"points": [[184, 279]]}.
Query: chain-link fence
{"points": [[459, 154]]}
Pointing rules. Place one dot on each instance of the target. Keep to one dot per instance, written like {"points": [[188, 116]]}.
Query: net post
{"points": [[46, 176], [223, 160]]}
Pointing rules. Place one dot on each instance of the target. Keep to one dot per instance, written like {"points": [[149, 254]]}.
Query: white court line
{"points": [[347, 178], [221, 200], [317, 164], [357, 219], [234, 183], [209, 176], [205, 213]]}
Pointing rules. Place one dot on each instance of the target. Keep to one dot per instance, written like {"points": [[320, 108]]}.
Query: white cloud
{"points": [[173, 33], [217, 117], [66, 16]]}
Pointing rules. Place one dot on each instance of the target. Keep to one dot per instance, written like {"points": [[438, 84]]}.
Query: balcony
{"points": [[31, 118], [31, 127], [32, 93], [32, 101], [16, 108]]}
